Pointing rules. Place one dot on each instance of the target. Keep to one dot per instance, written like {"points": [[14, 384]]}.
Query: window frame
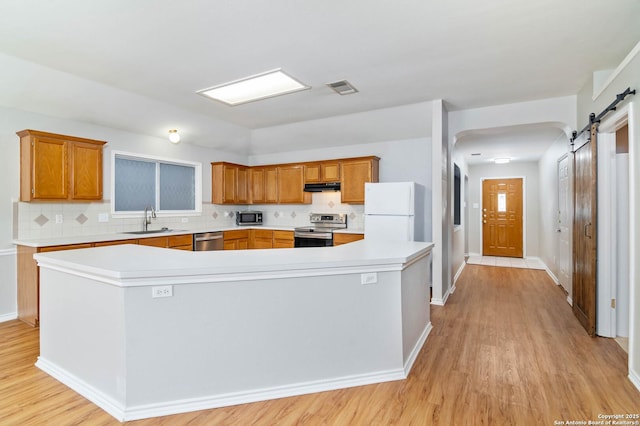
{"points": [[197, 211]]}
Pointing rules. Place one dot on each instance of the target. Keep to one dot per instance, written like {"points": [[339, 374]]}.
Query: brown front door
{"points": [[584, 234], [502, 217]]}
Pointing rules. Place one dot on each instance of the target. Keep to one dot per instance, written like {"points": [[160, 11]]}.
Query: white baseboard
{"points": [[123, 413], [552, 275], [443, 301], [569, 300], [460, 269], [8, 317], [635, 379], [416, 349]]}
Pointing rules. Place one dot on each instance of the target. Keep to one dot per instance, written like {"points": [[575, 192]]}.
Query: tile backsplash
{"points": [[51, 220]]}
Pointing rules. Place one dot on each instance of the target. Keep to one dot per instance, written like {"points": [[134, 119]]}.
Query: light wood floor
{"points": [[505, 349]]}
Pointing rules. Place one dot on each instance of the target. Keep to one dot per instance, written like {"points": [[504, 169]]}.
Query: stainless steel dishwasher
{"points": [[207, 241]]}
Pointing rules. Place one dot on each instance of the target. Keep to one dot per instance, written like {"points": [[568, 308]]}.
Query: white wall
{"points": [[459, 232], [400, 161], [531, 200]]}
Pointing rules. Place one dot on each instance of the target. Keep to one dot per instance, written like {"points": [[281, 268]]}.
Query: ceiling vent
{"points": [[342, 87]]}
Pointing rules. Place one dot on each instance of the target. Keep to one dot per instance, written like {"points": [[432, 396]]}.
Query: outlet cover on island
{"points": [[162, 291], [369, 278], [59, 218], [103, 217]]}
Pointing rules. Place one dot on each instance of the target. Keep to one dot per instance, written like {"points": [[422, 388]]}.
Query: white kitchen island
{"points": [[240, 326]]}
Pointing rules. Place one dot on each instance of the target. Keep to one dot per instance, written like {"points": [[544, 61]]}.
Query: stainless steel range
{"points": [[320, 233]]}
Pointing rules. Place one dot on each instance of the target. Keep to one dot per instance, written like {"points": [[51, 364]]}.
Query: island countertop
{"points": [[130, 265]]}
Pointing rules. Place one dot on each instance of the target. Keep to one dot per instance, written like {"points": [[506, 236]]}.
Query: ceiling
{"points": [[137, 65]]}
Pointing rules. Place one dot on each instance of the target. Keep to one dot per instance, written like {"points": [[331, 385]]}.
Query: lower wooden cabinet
{"points": [[339, 239], [180, 242], [236, 240], [260, 239], [257, 239], [283, 239]]}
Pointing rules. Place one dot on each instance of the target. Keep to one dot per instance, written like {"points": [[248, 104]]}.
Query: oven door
{"points": [[300, 241]]}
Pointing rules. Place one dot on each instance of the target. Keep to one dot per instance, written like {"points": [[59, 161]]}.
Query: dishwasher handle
{"points": [[208, 238]]}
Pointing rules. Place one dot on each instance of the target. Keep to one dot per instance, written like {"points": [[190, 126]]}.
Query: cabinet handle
{"points": [[587, 230]]}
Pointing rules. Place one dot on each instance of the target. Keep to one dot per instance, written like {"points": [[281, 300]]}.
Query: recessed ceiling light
{"points": [[502, 160], [249, 89]]}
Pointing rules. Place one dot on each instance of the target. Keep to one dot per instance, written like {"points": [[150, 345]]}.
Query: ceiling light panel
{"points": [[261, 86]]}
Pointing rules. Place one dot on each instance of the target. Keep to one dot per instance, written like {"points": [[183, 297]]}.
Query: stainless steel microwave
{"points": [[248, 218]]}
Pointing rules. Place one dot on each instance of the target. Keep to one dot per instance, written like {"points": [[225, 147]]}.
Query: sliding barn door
{"points": [[584, 233]]}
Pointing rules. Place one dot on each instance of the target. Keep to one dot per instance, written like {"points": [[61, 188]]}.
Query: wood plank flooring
{"points": [[505, 349]]}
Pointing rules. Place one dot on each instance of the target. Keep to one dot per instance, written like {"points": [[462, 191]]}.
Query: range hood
{"points": [[319, 187]]}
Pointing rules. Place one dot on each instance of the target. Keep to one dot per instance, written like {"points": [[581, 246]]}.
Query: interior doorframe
{"points": [[569, 157], [607, 274], [524, 211]]}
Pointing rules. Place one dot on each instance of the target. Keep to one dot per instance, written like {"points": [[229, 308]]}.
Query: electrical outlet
{"points": [[103, 217], [59, 218], [369, 278], [162, 291], [184, 220]]}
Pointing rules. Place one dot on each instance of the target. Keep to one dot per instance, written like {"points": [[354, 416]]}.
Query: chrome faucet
{"points": [[147, 218]]}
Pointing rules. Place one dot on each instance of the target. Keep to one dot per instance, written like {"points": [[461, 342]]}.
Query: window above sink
{"points": [[172, 187]]}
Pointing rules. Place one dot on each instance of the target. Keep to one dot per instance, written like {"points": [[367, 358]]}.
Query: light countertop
{"points": [[130, 265], [84, 239]]}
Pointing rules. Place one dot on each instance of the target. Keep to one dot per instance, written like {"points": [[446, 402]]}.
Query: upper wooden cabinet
{"points": [[355, 173], [291, 185], [229, 183], [284, 183], [59, 167], [325, 171], [263, 185]]}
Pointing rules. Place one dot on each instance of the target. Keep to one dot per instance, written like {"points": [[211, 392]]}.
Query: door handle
{"points": [[484, 221]]}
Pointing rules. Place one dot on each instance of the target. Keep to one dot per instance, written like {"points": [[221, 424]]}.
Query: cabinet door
{"points": [[242, 185], [339, 239], [162, 242], [355, 173], [49, 169], [271, 185], [229, 178], [85, 164], [260, 238], [330, 171], [312, 173], [256, 185], [283, 239], [291, 185]]}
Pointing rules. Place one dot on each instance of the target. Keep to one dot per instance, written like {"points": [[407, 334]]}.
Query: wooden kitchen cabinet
{"points": [[325, 171], [59, 167], [229, 183], [260, 239], [355, 173], [291, 185], [263, 185], [236, 240], [340, 238], [180, 242], [283, 239]]}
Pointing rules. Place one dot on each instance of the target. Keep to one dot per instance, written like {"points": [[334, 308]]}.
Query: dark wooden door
{"points": [[584, 233], [502, 217]]}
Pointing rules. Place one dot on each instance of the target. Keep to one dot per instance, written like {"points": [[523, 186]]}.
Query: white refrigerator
{"points": [[390, 210]]}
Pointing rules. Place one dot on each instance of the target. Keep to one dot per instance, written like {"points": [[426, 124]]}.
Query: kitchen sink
{"points": [[152, 231]]}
